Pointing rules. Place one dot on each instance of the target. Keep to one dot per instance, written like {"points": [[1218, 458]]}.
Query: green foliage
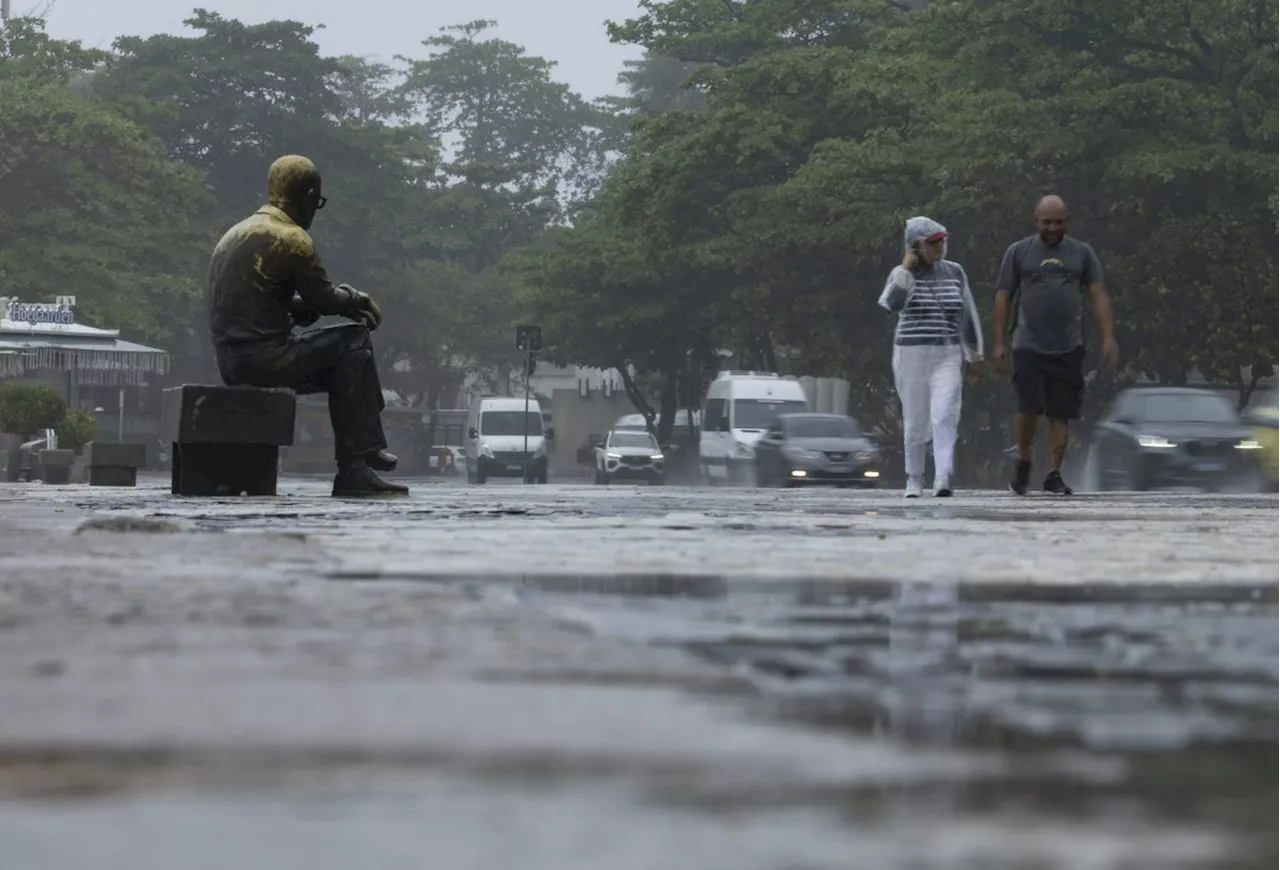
{"points": [[825, 124], [76, 430], [25, 409], [506, 112], [90, 200], [121, 169]]}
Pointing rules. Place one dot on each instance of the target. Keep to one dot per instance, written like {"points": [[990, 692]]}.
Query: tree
{"points": [[91, 202], [1157, 120], [500, 108], [828, 123], [28, 53], [661, 84]]}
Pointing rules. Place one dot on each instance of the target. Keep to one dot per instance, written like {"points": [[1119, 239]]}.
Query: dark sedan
{"points": [[803, 449], [1173, 436]]}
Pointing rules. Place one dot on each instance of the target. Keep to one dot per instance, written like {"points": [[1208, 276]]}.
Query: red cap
{"points": [[936, 237]]}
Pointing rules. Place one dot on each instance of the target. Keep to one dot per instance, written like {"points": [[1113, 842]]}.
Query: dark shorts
{"points": [[1049, 384]]}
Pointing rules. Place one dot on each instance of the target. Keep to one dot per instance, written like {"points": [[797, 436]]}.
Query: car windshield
{"points": [[509, 423], [822, 427], [1187, 408], [633, 439], [761, 413]]}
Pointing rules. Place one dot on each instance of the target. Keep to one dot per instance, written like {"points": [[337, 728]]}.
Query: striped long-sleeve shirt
{"points": [[935, 307]]}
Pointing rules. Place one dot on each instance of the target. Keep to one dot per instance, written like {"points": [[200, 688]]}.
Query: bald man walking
{"points": [[1039, 294]]}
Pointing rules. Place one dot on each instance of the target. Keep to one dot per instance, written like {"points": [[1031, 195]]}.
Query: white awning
{"points": [[97, 360]]}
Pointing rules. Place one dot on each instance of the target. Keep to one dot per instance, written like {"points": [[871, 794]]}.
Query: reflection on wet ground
{"points": [[1176, 687], [1132, 717]]}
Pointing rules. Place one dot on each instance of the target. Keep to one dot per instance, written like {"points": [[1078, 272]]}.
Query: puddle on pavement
{"points": [[1177, 684]]}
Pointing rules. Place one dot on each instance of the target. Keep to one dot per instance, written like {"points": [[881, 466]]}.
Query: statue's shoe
{"points": [[364, 482], [381, 460]]}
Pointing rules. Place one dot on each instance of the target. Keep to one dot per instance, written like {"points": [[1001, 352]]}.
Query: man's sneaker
{"points": [[1021, 477], [1054, 483], [914, 488], [942, 487]]}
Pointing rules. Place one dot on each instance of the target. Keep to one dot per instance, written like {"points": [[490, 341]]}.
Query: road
{"points": [[628, 677]]}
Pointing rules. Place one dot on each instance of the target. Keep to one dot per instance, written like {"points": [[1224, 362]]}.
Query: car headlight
{"points": [[487, 451], [1249, 444], [613, 456], [657, 457], [1155, 442], [865, 456]]}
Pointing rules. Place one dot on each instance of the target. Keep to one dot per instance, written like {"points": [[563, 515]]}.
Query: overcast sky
{"points": [[570, 32]]}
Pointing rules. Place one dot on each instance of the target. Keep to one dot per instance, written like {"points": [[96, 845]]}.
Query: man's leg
{"points": [[1028, 383], [1024, 426], [1055, 443], [1064, 394], [944, 408], [911, 377]]}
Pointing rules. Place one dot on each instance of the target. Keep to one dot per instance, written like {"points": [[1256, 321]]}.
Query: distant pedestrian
{"points": [[1039, 293], [937, 331]]}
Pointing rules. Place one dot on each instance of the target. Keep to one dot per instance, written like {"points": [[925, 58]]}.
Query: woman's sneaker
{"points": [[942, 487], [1053, 483], [914, 488]]}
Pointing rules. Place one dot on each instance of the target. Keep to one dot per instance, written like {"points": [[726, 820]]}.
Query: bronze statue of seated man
{"points": [[264, 279]]}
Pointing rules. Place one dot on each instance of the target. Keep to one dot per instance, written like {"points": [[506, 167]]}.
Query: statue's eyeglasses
{"points": [[320, 203]]}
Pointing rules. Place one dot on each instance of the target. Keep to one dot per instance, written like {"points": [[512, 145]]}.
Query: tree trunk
{"points": [[767, 352], [637, 398], [1244, 391], [668, 404]]}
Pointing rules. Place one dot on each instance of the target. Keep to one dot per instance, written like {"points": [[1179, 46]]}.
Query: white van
{"points": [[495, 442], [739, 407]]}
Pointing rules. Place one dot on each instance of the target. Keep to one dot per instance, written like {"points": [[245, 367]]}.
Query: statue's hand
{"points": [[304, 317], [301, 313], [363, 309]]}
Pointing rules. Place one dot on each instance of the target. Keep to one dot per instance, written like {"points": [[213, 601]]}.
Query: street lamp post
{"points": [[529, 340]]}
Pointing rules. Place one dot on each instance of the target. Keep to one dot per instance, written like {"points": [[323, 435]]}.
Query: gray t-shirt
{"points": [[1048, 283]]}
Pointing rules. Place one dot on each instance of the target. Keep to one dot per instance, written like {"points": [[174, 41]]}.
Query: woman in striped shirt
{"points": [[938, 329]]}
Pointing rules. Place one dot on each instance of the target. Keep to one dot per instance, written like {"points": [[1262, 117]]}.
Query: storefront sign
{"points": [[59, 312]]}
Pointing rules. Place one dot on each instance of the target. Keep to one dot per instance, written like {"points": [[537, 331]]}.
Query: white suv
{"points": [[630, 454]]}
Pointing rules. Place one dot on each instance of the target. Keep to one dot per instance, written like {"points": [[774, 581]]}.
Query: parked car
{"points": [[628, 454], [799, 449], [1262, 419], [1173, 436], [446, 460]]}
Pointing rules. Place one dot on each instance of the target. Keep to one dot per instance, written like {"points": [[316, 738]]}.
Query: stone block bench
{"points": [[55, 466], [114, 463], [226, 440]]}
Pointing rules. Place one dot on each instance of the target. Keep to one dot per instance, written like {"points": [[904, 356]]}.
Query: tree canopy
{"points": [[777, 202]]}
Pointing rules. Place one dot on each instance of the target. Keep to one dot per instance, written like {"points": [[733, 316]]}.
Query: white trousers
{"points": [[929, 380]]}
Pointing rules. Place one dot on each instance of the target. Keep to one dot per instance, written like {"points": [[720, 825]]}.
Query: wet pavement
{"points": [[576, 676]]}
